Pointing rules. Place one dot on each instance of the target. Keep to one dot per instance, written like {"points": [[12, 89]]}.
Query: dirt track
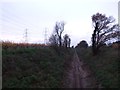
{"points": [[79, 75]]}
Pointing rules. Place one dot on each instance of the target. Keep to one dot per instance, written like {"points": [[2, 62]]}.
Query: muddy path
{"points": [[78, 75]]}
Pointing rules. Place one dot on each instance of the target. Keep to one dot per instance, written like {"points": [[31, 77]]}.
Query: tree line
{"points": [[56, 38], [104, 30]]}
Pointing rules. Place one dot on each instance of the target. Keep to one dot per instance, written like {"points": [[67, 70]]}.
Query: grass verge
{"points": [[104, 65]]}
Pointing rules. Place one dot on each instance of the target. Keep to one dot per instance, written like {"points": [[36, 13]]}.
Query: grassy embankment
{"points": [[32, 66], [104, 65]]}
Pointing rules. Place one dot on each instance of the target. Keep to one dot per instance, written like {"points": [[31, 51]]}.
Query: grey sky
{"points": [[16, 16]]}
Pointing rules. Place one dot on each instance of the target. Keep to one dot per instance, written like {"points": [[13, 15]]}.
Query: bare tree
{"points": [[56, 38], [59, 28], [53, 40], [104, 30], [67, 41]]}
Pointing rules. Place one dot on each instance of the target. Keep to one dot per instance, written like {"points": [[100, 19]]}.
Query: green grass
{"points": [[32, 67], [104, 65]]}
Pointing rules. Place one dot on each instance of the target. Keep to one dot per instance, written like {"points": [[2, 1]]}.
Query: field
{"points": [[32, 65], [41, 66], [104, 65]]}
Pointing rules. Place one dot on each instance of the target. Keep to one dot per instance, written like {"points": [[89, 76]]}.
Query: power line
{"points": [[9, 17], [6, 23], [12, 22], [7, 27], [16, 18]]}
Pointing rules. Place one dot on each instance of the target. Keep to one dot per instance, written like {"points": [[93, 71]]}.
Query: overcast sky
{"points": [[35, 15]]}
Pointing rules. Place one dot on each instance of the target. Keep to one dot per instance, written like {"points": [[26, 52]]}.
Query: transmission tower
{"points": [[45, 39], [26, 35]]}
